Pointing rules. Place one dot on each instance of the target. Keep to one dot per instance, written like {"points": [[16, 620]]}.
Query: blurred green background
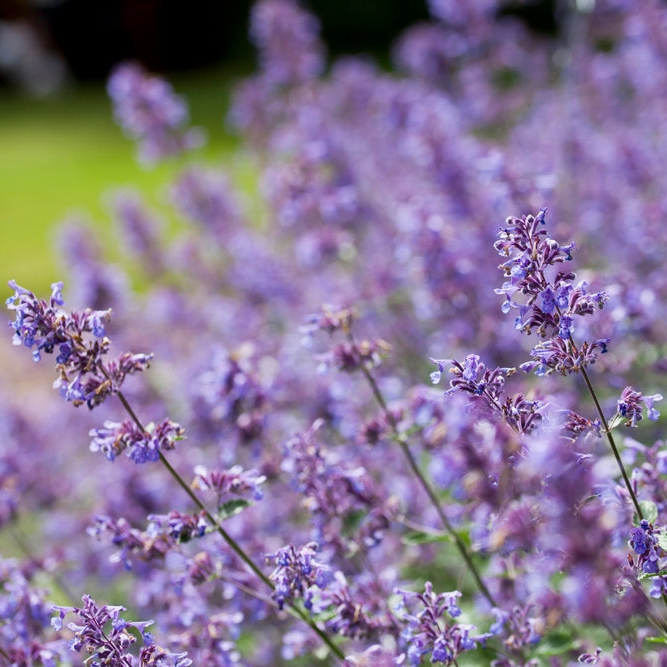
{"points": [[60, 155]]}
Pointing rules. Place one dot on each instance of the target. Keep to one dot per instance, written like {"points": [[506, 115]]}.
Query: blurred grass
{"points": [[62, 154]]}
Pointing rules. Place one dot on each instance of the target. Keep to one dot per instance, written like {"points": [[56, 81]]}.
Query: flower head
{"points": [[550, 301], [150, 112], [81, 344]]}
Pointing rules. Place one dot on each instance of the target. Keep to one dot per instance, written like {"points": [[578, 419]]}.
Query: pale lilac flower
{"points": [[298, 574], [148, 110], [287, 39], [140, 445]]}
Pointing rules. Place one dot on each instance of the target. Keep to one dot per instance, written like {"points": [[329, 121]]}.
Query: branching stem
{"points": [[612, 442], [231, 542], [401, 440]]}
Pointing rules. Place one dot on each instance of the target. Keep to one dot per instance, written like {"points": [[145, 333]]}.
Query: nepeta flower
{"points": [[429, 631], [551, 302], [337, 494], [644, 542], [474, 378], [331, 319], [360, 611], [235, 481], [150, 112], [288, 42], [351, 356], [105, 634], [140, 445], [205, 196], [631, 409], [298, 574], [84, 376]]}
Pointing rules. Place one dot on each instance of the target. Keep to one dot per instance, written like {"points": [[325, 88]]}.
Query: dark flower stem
{"points": [[231, 542], [612, 443], [400, 438]]}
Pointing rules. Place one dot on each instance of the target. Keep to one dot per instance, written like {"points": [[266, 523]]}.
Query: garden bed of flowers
{"points": [[402, 411]]}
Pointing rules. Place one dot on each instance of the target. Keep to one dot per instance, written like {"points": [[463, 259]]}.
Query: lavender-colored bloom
{"points": [[429, 631], [644, 542], [532, 253], [232, 482], [105, 634], [147, 109], [298, 574], [288, 42], [351, 356], [140, 445], [630, 409], [84, 377], [152, 544], [205, 196], [473, 378], [334, 492], [24, 612], [141, 230]]}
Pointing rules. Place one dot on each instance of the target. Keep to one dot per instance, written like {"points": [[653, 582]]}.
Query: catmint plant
{"points": [[338, 510]]}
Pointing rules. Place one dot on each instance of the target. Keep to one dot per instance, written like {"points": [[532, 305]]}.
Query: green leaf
{"points": [[419, 537], [615, 421], [649, 510], [232, 507], [656, 640], [662, 540], [558, 642]]}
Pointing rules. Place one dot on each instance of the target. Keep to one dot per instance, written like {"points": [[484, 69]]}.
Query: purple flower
{"points": [[235, 481], [297, 573], [549, 302], [84, 376], [630, 409], [148, 111], [644, 542], [141, 445], [288, 42], [205, 197], [429, 631], [103, 633]]}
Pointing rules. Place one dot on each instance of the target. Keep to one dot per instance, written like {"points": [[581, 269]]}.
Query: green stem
{"points": [[612, 443], [400, 438], [231, 542]]}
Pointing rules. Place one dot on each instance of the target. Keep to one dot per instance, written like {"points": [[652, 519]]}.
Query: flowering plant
{"points": [[296, 492]]}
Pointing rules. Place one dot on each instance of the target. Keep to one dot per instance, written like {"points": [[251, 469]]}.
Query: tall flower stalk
{"points": [[549, 307]]}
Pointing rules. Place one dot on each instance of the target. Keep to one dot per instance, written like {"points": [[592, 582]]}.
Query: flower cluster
{"points": [[84, 376], [148, 110], [140, 444], [298, 574], [429, 631], [474, 378], [630, 406], [232, 482], [288, 42], [644, 541], [106, 637], [551, 302]]}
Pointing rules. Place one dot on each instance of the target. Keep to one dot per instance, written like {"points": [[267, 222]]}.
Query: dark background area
{"points": [[170, 35]]}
